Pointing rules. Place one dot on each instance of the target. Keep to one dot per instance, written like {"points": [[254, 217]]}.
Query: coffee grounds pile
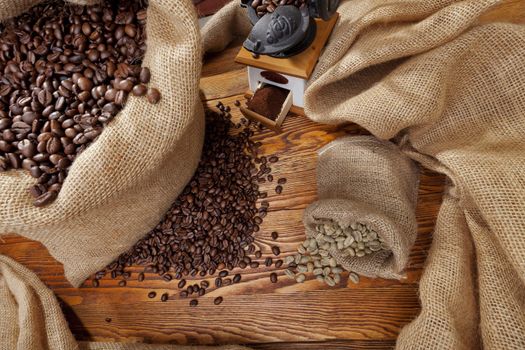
{"points": [[210, 226], [268, 101], [65, 72]]}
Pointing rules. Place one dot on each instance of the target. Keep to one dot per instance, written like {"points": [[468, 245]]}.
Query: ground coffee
{"points": [[268, 101]]}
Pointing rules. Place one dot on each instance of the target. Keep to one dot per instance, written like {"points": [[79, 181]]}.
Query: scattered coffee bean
{"points": [[218, 282], [205, 284], [181, 284], [108, 320], [237, 278], [153, 96], [227, 281], [122, 283], [275, 235], [278, 263], [164, 297], [268, 261], [273, 159], [276, 251], [279, 189], [141, 277], [152, 295], [273, 277], [183, 294], [258, 254], [194, 302], [217, 300], [237, 103], [281, 181]]}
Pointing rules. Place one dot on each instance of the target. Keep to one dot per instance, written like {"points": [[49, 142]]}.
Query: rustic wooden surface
{"points": [[268, 316]]}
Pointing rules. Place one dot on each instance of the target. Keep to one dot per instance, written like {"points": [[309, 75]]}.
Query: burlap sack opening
{"points": [[121, 186], [364, 180]]}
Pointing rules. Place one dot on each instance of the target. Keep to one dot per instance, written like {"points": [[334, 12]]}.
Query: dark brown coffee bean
{"points": [[268, 261], [145, 75], [194, 302], [205, 284], [139, 90], [167, 277], [237, 278], [227, 281], [275, 235], [152, 295], [281, 181], [182, 283], [84, 84], [273, 277], [276, 251], [45, 199], [278, 263], [237, 103], [164, 297], [201, 292], [279, 189], [254, 265], [153, 96], [218, 300], [141, 277], [223, 273], [258, 254], [108, 320], [218, 282], [273, 159], [183, 294], [122, 283]]}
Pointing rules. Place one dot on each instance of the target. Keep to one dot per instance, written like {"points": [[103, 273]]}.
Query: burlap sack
{"points": [[456, 91], [366, 180], [31, 319], [120, 187]]}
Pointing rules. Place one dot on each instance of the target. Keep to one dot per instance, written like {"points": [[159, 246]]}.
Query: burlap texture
{"points": [[455, 90], [31, 318], [120, 187], [366, 180]]}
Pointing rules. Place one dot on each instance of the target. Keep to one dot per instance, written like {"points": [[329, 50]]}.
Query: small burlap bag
{"points": [[365, 180], [31, 318], [120, 187], [455, 88]]}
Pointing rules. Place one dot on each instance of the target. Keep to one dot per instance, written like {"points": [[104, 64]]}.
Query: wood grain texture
{"points": [[284, 315]]}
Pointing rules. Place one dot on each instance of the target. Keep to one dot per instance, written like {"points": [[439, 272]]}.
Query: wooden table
{"points": [[256, 312]]}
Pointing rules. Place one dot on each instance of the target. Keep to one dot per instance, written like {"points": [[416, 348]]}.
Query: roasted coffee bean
{"points": [[201, 292], [268, 261], [281, 181], [278, 264], [152, 295], [194, 302], [276, 251], [227, 281], [279, 189], [108, 320], [237, 103], [273, 277], [139, 90], [205, 284], [237, 278], [145, 75], [183, 294], [122, 283], [153, 96], [254, 265], [218, 282], [167, 277], [275, 235], [141, 277], [258, 254], [218, 300], [223, 273], [273, 159], [181, 284], [164, 297], [45, 199]]}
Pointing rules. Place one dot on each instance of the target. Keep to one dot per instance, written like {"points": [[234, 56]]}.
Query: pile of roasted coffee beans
{"points": [[65, 72], [210, 227], [263, 7]]}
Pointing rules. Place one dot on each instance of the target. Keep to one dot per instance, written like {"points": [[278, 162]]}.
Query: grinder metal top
{"points": [[288, 30]]}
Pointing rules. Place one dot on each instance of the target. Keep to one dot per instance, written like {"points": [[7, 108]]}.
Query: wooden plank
{"points": [[340, 344], [300, 65]]}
